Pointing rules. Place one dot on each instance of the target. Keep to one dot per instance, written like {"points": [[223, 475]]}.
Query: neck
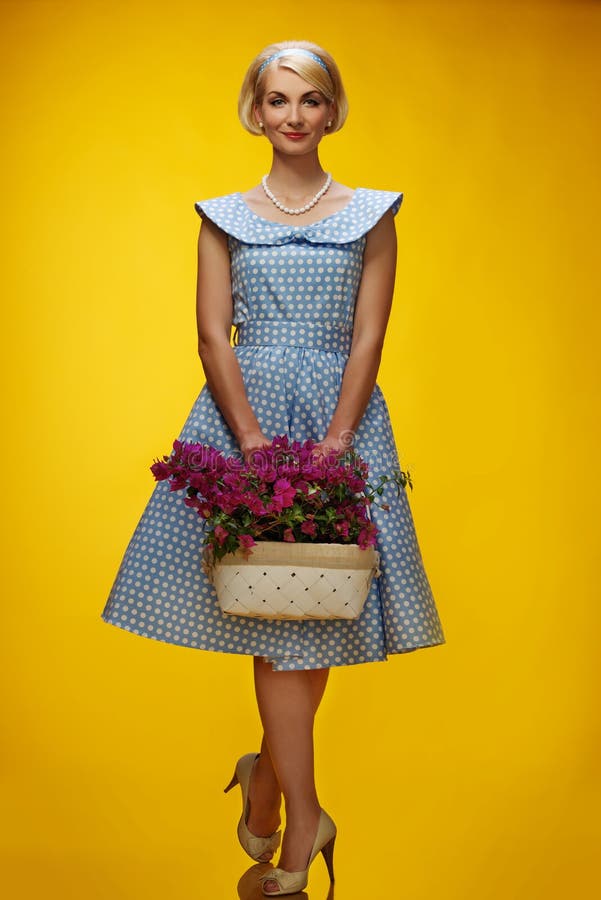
{"points": [[293, 178]]}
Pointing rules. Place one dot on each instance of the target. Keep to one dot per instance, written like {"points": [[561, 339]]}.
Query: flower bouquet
{"points": [[287, 533]]}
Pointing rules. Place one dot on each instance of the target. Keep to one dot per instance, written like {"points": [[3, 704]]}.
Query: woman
{"points": [[305, 268]]}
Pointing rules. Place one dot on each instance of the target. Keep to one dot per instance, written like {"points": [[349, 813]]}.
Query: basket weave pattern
{"points": [[282, 580]]}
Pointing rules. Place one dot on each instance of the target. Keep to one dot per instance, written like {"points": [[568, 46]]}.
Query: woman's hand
{"points": [[252, 441], [335, 445]]}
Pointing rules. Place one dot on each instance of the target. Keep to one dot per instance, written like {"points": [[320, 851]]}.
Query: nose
{"points": [[294, 116]]}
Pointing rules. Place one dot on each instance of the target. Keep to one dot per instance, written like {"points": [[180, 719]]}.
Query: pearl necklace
{"points": [[302, 209]]}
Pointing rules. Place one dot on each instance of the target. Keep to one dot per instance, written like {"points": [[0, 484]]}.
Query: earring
{"points": [[329, 123], [261, 125]]}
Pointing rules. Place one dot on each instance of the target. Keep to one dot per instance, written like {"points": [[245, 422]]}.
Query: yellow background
{"points": [[468, 770]]}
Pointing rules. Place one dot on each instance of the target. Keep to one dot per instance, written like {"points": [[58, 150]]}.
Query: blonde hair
{"points": [[330, 85]]}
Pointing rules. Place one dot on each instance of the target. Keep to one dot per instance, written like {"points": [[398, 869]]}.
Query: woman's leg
{"points": [[264, 796], [287, 703], [264, 787]]}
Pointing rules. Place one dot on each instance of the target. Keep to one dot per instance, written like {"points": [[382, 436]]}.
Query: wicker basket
{"points": [[282, 580]]}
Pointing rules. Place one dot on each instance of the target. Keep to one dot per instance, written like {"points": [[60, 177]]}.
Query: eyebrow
{"points": [[281, 94]]}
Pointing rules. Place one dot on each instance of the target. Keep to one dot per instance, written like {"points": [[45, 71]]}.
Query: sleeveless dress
{"points": [[294, 289]]}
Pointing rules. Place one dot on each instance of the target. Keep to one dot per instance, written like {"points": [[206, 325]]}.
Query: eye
{"points": [[311, 100]]}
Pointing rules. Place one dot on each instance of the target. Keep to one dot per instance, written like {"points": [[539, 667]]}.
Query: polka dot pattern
{"points": [[294, 290]]}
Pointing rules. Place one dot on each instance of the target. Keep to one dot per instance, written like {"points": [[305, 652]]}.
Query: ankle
{"points": [[302, 811]]}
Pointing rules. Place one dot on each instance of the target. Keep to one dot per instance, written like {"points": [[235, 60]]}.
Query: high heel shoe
{"points": [[256, 847], [293, 882]]}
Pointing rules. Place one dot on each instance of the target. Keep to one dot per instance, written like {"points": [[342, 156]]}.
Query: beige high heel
{"points": [[293, 882], [256, 847]]}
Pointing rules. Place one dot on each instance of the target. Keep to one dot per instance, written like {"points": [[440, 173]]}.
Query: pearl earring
{"points": [[261, 125]]}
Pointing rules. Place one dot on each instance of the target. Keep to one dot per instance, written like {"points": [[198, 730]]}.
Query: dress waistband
{"points": [[293, 333]]}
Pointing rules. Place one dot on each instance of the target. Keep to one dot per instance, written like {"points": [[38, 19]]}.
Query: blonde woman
{"points": [[304, 267]]}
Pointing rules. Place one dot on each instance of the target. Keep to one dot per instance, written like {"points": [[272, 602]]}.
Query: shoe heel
{"points": [[232, 783], [328, 855]]}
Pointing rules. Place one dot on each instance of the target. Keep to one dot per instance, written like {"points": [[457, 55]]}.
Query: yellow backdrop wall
{"points": [[469, 770]]}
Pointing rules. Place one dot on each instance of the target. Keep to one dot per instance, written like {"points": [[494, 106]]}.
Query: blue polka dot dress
{"points": [[294, 289]]}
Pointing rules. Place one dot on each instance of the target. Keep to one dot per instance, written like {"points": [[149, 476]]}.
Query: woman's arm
{"points": [[214, 310], [372, 310]]}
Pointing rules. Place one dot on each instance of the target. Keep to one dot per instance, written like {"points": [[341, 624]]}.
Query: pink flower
{"points": [[160, 470], [329, 492], [309, 527], [342, 528], [367, 536], [221, 534], [282, 488], [254, 503], [233, 480]]}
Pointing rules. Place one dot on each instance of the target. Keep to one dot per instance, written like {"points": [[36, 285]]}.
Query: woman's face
{"points": [[292, 105]]}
